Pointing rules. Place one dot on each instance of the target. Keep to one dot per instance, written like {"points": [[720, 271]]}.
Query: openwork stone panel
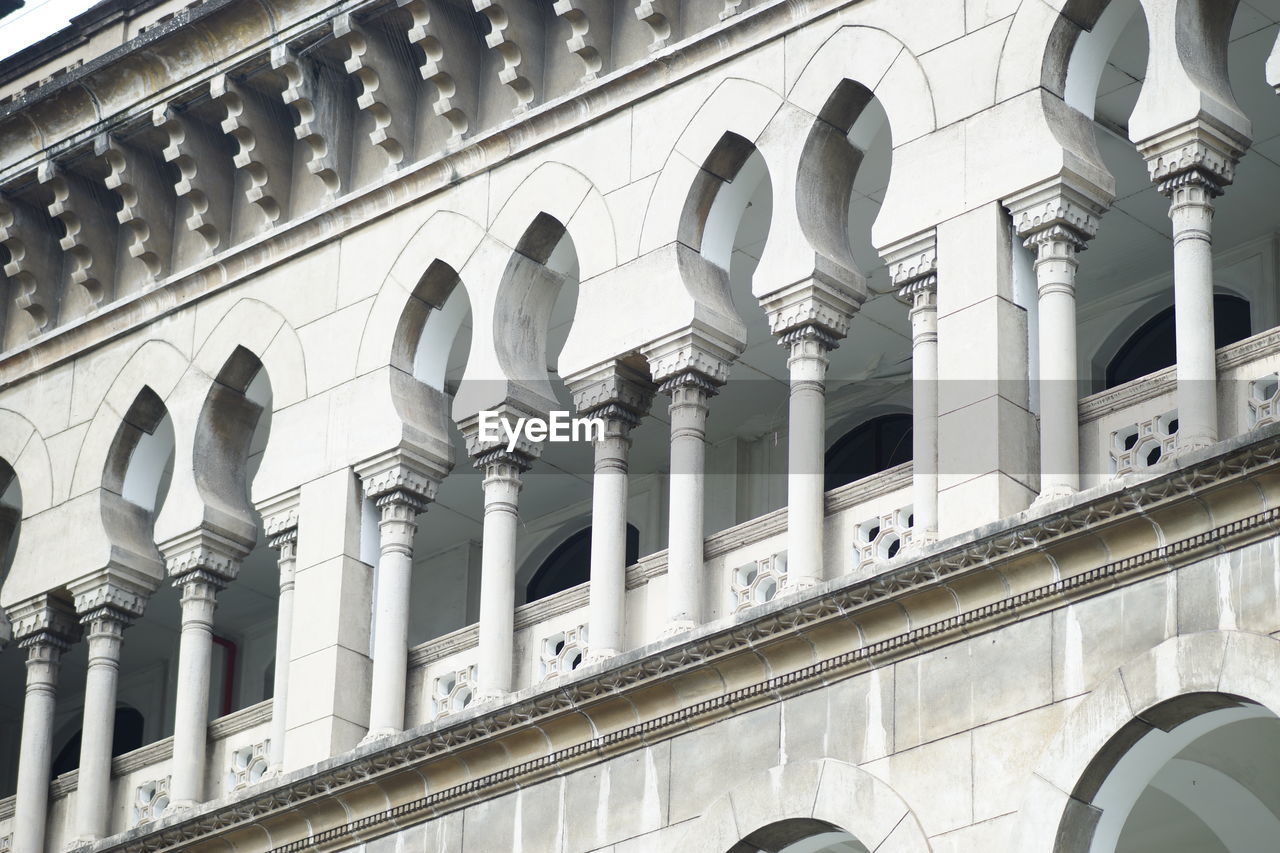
{"points": [[1138, 447], [759, 581], [452, 692], [248, 765], [150, 799], [881, 538], [563, 652], [1264, 399]]}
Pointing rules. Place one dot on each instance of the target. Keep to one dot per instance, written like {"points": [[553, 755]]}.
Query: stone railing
{"points": [[550, 632], [140, 779], [1134, 426]]}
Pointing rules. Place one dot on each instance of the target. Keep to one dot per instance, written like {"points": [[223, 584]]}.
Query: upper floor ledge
{"points": [[1219, 498]]}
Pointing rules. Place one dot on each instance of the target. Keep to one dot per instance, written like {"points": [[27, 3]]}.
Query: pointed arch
{"points": [[23, 448]]}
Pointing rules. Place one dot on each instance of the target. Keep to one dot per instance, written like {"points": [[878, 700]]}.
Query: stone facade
{"points": [[903, 536]]}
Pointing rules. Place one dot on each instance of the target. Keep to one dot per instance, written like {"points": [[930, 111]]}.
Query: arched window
{"points": [[1152, 347], [570, 564], [126, 737], [869, 448]]}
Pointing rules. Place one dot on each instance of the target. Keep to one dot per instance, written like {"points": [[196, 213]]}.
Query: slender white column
{"points": [[45, 631], [689, 392], [105, 632], [806, 451], [502, 482], [191, 713], [285, 542], [1190, 166], [396, 527]]}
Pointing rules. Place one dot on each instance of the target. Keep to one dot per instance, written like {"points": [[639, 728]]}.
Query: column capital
{"points": [[913, 269], [695, 349], [203, 556], [614, 391], [44, 621], [415, 477], [280, 519], [485, 449], [1058, 211], [820, 301], [1197, 152], [106, 598]]}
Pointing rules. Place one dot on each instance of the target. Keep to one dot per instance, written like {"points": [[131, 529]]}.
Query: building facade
{"points": [[909, 525]]}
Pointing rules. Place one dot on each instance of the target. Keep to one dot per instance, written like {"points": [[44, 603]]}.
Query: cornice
{"points": [[996, 547]]}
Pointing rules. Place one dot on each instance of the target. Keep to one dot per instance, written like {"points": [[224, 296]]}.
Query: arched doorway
{"points": [[570, 564]]}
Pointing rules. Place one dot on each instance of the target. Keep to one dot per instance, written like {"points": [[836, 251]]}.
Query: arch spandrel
{"points": [[825, 790]]}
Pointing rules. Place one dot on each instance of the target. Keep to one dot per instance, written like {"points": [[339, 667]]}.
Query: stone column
{"points": [[45, 627], [1055, 221], [400, 489], [281, 528], [809, 318], [1191, 165], [502, 482], [620, 397], [105, 609], [913, 270], [200, 565]]}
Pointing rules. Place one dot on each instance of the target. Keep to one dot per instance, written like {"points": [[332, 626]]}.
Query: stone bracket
{"points": [[89, 236], [589, 27], [447, 65], [662, 17], [146, 198], [203, 184], [321, 124], [264, 151], [515, 33], [387, 88], [34, 266]]}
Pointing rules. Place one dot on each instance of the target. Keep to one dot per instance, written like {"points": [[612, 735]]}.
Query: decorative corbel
{"points": [[512, 25], [89, 238], [203, 186], [319, 105], [387, 92], [447, 65], [589, 28], [264, 151], [662, 17], [34, 265], [146, 198]]}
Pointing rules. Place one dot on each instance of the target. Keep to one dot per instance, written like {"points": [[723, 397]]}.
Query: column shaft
{"points": [[191, 714], [924, 420], [287, 543], [106, 630], [1055, 265], [396, 529], [44, 654], [806, 446], [498, 574], [1191, 211], [609, 541], [689, 393]]}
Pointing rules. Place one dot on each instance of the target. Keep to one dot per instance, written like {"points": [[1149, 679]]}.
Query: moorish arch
{"points": [[24, 450], [801, 799], [1132, 723]]}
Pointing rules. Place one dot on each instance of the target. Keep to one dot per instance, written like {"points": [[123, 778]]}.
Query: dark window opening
{"points": [[126, 737], [872, 447], [1153, 346], [570, 564]]}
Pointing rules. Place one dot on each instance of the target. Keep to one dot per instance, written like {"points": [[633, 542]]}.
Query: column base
{"points": [[490, 695], [379, 734], [921, 541], [176, 806], [1051, 495], [1193, 444], [680, 626], [81, 841], [595, 656]]}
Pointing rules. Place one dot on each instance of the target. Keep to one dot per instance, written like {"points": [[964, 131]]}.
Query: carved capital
{"points": [[613, 391], [45, 621], [913, 270], [1057, 211], [280, 520], [509, 413], [203, 555], [108, 598], [1196, 151], [695, 349], [819, 301], [414, 476]]}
